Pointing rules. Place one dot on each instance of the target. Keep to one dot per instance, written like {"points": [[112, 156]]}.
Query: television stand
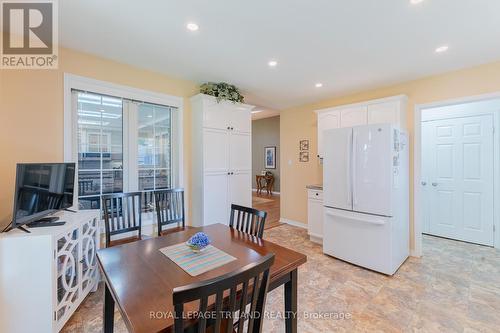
{"points": [[10, 227], [46, 222]]}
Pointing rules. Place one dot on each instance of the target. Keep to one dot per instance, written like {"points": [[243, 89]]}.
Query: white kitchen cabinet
{"points": [[315, 215], [226, 115], [326, 120], [222, 158], [47, 273], [390, 110], [354, 116]]}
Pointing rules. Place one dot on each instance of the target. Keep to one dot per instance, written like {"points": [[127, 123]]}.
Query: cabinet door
{"points": [[384, 113], [315, 218], [354, 116], [240, 152], [326, 120], [68, 278], [240, 188], [89, 245], [241, 120], [215, 194], [216, 150], [217, 115]]}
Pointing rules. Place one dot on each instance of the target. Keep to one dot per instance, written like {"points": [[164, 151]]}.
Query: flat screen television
{"points": [[42, 189]]}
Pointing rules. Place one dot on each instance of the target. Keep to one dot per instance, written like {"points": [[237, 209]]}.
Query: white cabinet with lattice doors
{"points": [[49, 273]]}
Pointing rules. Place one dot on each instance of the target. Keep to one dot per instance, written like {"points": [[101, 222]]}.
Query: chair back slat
{"points": [[122, 213], [248, 220], [247, 285], [169, 208]]}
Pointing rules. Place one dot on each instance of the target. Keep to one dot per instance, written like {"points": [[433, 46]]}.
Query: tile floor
{"points": [[454, 287]]}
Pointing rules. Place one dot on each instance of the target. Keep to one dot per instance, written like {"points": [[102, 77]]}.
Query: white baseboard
{"points": [[273, 192], [294, 223]]}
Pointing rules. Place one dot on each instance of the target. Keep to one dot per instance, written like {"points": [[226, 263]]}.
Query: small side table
{"points": [[265, 182]]}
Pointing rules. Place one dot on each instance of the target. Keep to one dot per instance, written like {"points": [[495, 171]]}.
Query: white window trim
{"points": [[107, 88]]}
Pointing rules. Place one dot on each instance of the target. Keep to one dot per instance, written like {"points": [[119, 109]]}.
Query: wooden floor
{"points": [[269, 204]]}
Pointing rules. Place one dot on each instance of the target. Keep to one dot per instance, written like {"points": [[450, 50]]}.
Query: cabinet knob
{"points": [[232, 128], [317, 194], [228, 128], [434, 184], [423, 183]]}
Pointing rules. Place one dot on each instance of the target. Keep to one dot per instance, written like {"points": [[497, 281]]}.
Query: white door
{"points": [[241, 119], [216, 198], [315, 217], [240, 152], [216, 152], [337, 166], [372, 169], [240, 189], [217, 115], [460, 157], [353, 116], [326, 121]]}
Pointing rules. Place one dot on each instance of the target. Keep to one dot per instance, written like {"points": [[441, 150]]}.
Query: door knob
{"points": [[424, 183], [434, 184]]}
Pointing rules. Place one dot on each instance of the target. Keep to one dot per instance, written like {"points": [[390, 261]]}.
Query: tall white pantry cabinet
{"points": [[222, 158]]}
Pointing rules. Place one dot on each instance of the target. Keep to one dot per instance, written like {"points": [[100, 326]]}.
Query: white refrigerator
{"points": [[366, 196]]}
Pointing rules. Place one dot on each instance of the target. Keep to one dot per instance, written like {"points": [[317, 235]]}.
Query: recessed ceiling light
{"points": [[416, 2], [442, 49], [318, 85], [272, 63], [192, 26]]}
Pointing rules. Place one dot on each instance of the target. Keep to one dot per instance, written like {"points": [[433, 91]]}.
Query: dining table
{"points": [[139, 278]]}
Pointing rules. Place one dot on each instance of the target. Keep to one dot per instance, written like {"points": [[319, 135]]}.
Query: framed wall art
{"points": [[270, 157]]}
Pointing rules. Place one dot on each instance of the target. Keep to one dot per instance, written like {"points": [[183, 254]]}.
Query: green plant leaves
{"points": [[222, 91]]}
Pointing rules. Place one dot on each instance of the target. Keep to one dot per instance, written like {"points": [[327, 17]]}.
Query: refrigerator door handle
{"points": [[370, 219], [348, 170], [353, 178]]}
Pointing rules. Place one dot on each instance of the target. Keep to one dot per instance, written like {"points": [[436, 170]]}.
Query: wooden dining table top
{"points": [[141, 278]]}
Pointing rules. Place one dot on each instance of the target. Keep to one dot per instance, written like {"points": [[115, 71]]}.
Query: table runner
{"points": [[196, 263]]}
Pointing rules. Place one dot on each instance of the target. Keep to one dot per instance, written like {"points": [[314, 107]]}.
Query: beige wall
{"points": [[31, 111], [300, 123]]}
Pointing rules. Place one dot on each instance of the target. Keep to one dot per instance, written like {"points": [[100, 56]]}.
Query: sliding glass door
{"points": [[123, 146]]}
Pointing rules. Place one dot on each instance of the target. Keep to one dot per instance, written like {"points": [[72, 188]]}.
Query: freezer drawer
{"points": [[361, 239]]}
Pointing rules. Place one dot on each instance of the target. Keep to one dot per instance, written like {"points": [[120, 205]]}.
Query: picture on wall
{"points": [[304, 145], [270, 157], [304, 156]]}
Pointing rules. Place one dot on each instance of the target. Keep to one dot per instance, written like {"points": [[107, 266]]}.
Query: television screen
{"points": [[42, 189]]}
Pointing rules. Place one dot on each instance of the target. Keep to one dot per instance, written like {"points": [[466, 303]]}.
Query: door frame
{"points": [[417, 164]]}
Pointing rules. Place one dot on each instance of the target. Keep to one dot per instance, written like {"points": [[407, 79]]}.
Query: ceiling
{"points": [[261, 113], [347, 45]]}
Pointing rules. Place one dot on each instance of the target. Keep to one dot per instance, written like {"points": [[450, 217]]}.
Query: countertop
{"points": [[315, 187]]}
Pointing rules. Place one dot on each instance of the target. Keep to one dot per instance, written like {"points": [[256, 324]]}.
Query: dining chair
{"points": [[122, 214], [170, 210], [248, 220], [233, 292]]}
